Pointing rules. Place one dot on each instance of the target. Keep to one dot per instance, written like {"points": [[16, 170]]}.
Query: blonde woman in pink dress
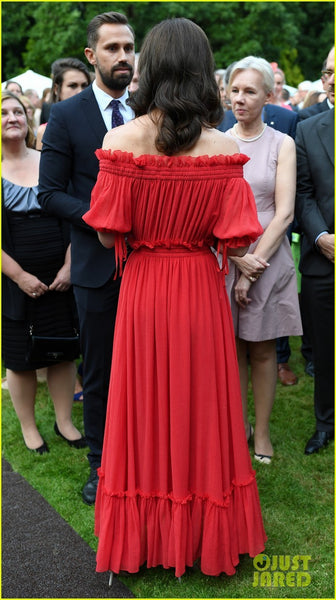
{"points": [[262, 284]]}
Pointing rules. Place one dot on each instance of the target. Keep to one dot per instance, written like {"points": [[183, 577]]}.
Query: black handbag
{"points": [[52, 349]]}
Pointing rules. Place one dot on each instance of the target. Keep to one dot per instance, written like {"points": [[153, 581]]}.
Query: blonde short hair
{"points": [[258, 64]]}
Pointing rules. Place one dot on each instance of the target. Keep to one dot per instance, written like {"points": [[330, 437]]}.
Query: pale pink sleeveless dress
{"points": [[274, 311]]}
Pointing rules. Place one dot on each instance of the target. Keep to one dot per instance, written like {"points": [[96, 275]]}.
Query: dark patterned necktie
{"points": [[116, 114]]}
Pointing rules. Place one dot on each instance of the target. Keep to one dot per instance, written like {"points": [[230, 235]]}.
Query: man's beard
{"points": [[116, 82]]}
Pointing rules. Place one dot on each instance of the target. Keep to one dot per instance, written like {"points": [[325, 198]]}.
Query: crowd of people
{"points": [[151, 203]]}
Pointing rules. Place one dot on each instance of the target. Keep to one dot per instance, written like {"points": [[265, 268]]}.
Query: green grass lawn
{"points": [[296, 493]]}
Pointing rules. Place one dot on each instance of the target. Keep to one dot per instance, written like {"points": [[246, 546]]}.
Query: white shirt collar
{"points": [[104, 100]]}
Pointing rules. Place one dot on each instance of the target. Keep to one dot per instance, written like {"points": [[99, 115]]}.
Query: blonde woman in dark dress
{"points": [[36, 278]]}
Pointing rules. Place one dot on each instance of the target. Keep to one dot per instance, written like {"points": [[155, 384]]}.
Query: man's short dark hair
{"points": [[99, 20]]}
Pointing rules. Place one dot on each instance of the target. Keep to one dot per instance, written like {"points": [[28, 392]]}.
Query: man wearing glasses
{"points": [[328, 103]]}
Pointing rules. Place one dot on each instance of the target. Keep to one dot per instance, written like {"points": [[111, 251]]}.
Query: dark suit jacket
{"points": [[275, 116], [313, 110], [68, 172], [315, 189]]}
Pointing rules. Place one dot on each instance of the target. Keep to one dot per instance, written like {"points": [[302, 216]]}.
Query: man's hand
{"points": [[326, 245]]}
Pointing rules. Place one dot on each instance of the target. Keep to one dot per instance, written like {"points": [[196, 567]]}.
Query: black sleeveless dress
{"points": [[38, 244]]}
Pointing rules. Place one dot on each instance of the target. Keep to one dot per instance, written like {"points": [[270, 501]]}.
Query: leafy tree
{"points": [[59, 31], [296, 35], [289, 65], [315, 22], [17, 21]]}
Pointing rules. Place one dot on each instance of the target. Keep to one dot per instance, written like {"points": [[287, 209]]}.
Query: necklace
{"points": [[248, 139]]}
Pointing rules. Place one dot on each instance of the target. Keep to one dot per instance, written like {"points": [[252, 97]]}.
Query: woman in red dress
{"points": [[176, 483]]}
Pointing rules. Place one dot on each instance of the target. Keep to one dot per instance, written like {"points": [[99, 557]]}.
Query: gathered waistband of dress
{"points": [[174, 250]]}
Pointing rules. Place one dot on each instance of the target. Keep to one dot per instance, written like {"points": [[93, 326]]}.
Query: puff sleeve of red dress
{"points": [[110, 208], [238, 223]]}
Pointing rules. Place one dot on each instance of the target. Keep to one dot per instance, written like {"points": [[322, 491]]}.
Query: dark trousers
{"points": [[283, 350], [97, 309], [317, 303], [306, 346], [282, 344]]}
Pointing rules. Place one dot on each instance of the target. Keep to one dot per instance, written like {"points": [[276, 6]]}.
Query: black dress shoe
{"points": [[81, 443], [309, 368], [319, 440], [90, 488]]}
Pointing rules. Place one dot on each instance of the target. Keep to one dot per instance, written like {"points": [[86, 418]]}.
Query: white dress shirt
{"points": [[104, 100]]}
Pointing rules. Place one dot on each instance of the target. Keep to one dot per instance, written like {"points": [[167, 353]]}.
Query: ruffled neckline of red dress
{"points": [[170, 161]]}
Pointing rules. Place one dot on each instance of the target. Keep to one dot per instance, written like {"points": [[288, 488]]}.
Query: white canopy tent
{"points": [[31, 80]]}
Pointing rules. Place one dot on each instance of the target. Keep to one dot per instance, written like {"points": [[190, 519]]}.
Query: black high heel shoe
{"points": [[80, 443], [251, 434], [40, 450]]}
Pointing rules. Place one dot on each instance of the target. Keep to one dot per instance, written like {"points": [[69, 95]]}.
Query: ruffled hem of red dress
{"points": [[171, 161], [158, 529]]}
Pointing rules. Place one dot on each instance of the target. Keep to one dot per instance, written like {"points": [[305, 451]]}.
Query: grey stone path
{"points": [[42, 556]]}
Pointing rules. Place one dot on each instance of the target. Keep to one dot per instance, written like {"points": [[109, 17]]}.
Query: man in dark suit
{"points": [[68, 172], [275, 116], [313, 110], [315, 215], [328, 102]]}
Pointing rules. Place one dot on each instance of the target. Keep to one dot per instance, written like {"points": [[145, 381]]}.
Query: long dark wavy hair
{"points": [[176, 77]]}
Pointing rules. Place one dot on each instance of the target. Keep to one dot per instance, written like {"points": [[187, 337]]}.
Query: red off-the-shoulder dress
{"points": [[176, 482]]}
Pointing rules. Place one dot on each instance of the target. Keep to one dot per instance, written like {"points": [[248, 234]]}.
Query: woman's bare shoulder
{"points": [[138, 136], [213, 142], [117, 136], [39, 135], [132, 137], [225, 142]]}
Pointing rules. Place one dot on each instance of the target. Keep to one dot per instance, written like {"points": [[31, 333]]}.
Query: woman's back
{"points": [[138, 136], [167, 200], [170, 199]]}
